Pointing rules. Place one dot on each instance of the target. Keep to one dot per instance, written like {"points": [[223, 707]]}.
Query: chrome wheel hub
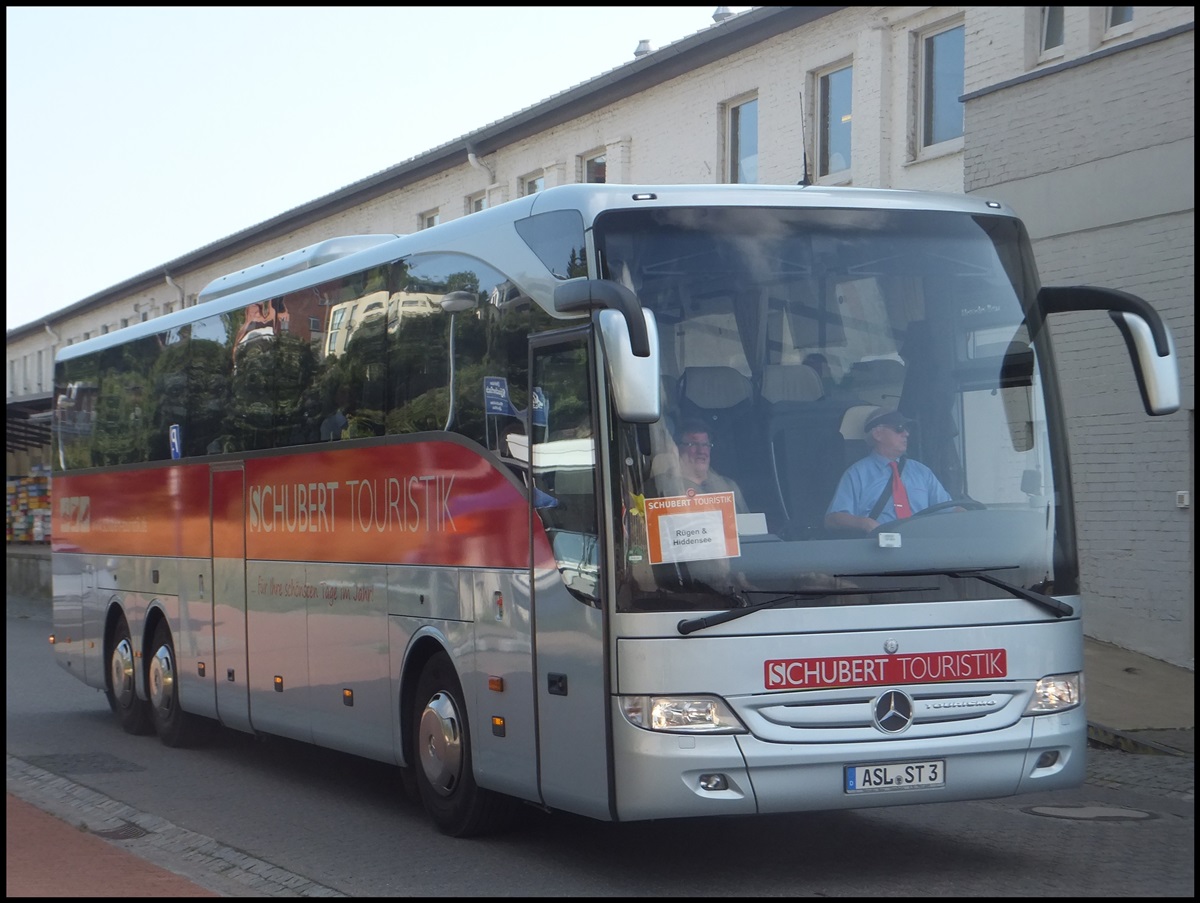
{"points": [[440, 747], [162, 679], [121, 672]]}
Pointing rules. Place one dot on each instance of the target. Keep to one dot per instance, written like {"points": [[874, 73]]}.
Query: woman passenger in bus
{"points": [[695, 472]]}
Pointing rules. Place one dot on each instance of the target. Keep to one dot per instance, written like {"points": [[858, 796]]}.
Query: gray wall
{"points": [[1099, 161]]}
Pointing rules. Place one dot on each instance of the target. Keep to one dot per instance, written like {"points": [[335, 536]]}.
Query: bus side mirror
{"points": [[1151, 346], [634, 379], [630, 337], [582, 294]]}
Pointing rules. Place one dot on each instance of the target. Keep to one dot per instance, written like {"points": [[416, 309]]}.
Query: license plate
{"points": [[895, 776]]}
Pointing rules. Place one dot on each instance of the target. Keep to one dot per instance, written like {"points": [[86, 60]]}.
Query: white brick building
{"points": [[1084, 126]]}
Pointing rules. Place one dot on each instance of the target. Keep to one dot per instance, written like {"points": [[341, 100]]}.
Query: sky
{"points": [[138, 135]]}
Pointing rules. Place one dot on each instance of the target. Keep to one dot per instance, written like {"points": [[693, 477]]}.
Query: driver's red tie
{"points": [[899, 493]]}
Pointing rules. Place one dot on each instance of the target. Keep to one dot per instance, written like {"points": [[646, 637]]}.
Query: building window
{"points": [[1119, 15], [124, 322], [941, 86], [429, 219], [833, 114], [335, 324], [595, 169], [1052, 28], [477, 202], [743, 142], [532, 184]]}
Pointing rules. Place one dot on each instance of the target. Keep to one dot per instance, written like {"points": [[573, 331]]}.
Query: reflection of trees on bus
{"points": [[125, 405], [267, 388], [190, 387], [374, 346]]}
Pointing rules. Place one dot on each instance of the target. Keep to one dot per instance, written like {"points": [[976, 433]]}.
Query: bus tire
{"points": [[175, 727], [133, 714], [408, 783], [442, 760]]}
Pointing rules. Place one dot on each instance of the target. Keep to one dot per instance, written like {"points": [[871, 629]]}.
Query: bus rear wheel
{"points": [[133, 714], [442, 762], [175, 727]]}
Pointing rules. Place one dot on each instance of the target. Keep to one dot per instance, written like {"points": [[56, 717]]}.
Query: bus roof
{"points": [[340, 256]]}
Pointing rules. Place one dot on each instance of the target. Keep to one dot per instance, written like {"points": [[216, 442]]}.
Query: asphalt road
{"points": [[243, 816]]}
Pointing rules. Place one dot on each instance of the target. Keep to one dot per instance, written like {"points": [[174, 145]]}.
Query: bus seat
{"points": [[806, 458], [713, 389], [790, 382], [877, 382], [853, 421], [722, 398]]}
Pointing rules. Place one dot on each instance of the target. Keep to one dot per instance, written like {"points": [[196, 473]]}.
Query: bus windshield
{"points": [[786, 337]]}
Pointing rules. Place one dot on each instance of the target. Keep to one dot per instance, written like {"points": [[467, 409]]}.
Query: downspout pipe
{"points": [[474, 160], [175, 285]]}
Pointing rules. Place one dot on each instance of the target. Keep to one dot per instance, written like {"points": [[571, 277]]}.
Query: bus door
{"points": [[569, 626], [229, 595]]}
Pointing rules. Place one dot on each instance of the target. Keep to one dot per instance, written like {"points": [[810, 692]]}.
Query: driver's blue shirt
{"points": [[865, 479]]}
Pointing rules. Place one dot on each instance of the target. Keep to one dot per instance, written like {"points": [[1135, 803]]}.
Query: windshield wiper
{"points": [[1056, 607], [691, 625]]}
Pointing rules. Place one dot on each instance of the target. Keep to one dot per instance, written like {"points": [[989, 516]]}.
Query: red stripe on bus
{"points": [[160, 512], [228, 514], [429, 503]]}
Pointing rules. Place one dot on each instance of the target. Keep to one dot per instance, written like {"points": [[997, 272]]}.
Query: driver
{"points": [[884, 486]]}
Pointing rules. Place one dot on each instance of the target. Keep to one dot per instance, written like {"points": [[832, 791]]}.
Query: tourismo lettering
{"points": [[869, 671]]}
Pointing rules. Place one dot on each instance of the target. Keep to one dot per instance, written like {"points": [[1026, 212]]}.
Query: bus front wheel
{"points": [[132, 713], [175, 727], [442, 757]]}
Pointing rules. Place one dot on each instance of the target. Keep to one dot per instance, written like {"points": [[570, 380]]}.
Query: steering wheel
{"points": [[965, 502], [968, 503]]}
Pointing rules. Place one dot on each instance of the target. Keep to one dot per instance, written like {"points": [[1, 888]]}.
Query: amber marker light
{"points": [[51, 639], [496, 683], [347, 696], [497, 726]]}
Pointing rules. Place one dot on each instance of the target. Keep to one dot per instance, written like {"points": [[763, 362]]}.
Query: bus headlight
{"points": [[1056, 693], [681, 714]]}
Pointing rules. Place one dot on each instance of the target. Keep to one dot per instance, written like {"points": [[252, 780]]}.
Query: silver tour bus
{"points": [[434, 500]]}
